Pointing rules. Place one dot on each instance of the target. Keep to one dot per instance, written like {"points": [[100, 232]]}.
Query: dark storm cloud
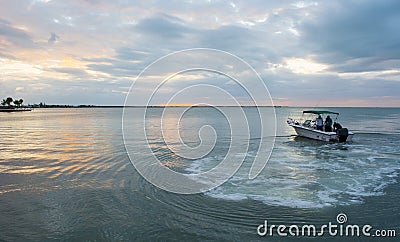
{"points": [[164, 31], [53, 38], [358, 33], [163, 26], [227, 37], [14, 35]]}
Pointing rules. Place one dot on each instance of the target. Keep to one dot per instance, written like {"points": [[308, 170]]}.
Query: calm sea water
{"points": [[65, 175]]}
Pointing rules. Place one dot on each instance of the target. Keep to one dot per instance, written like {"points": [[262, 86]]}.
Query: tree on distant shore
{"points": [[18, 103], [9, 100]]}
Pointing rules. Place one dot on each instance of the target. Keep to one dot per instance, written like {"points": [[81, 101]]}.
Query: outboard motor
{"points": [[342, 134]]}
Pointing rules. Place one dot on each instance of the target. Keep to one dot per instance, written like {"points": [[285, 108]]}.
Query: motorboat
{"points": [[308, 127]]}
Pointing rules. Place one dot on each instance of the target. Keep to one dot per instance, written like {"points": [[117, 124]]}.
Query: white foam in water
{"points": [[310, 176]]}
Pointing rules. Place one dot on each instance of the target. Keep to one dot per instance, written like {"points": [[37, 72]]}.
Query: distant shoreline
{"points": [[177, 106], [11, 110], [150, 106]]}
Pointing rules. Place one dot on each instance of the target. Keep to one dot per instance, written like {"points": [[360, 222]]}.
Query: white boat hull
{"points": [[318, 134]]}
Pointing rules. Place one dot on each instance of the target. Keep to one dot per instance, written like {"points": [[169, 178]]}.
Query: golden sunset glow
{"points": [[304, 66]]}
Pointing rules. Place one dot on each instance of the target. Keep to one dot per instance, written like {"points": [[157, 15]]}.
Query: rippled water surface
{"points": [[65, 175]]}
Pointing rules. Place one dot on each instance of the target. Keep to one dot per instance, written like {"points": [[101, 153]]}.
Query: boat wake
{"points": [[311, 175]]}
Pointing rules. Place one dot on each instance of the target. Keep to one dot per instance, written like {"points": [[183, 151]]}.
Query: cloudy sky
{"points": [[316, 53]]}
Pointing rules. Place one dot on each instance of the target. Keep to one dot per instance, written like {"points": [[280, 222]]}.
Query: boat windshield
{"points": [[319, 112]]}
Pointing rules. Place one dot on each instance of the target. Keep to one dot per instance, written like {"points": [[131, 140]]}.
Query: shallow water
{"points": [[65, 175]]}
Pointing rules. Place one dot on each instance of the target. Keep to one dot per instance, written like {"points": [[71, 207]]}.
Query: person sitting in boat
{"points": [[319, 122], [336, 126], [328, 124]]}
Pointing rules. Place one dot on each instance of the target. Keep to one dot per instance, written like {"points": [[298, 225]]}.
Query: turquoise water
{"points": [[65, 175]]}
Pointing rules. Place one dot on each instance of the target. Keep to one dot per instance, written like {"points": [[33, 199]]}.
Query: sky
{"points": [[307, 53]]}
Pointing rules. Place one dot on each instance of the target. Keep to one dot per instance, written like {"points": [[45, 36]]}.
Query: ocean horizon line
{"points": [[197, 106]]}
